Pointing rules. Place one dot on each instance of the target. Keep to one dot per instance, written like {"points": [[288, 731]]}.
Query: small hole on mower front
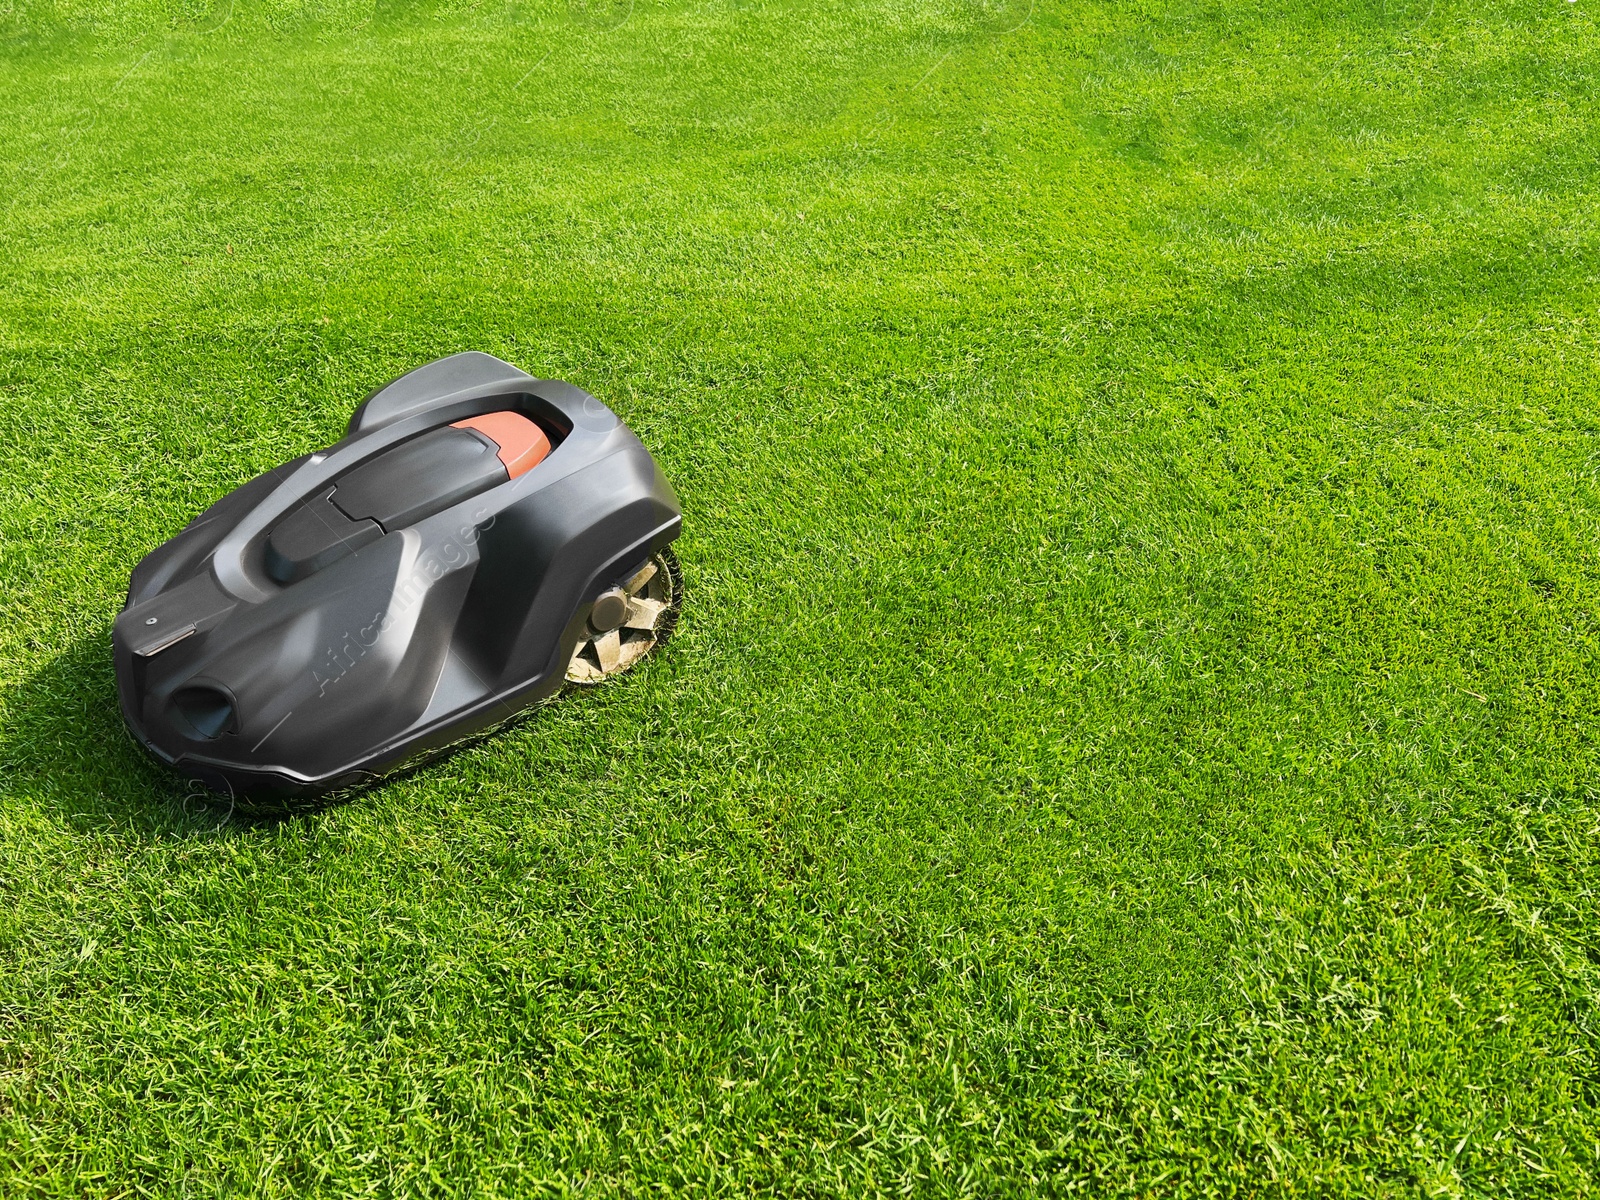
{"points": [[206, 711]]}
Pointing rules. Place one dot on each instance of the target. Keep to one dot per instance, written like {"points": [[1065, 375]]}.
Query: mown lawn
{"points": [[1133, 726]]}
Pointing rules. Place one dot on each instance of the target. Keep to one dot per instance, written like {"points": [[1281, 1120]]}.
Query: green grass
{"points": [[1133, 727]]}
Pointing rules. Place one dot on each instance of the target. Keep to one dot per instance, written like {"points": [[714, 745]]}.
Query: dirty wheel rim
{"points": [[654, 597]]}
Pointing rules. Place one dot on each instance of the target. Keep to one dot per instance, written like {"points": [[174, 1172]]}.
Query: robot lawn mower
{"points": [[478, 539]]}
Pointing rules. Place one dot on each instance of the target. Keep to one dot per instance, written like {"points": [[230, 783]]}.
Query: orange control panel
{"points": [[523, 444]]}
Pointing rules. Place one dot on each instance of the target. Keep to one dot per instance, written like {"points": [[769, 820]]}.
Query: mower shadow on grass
{"points": [[66, 751]]}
